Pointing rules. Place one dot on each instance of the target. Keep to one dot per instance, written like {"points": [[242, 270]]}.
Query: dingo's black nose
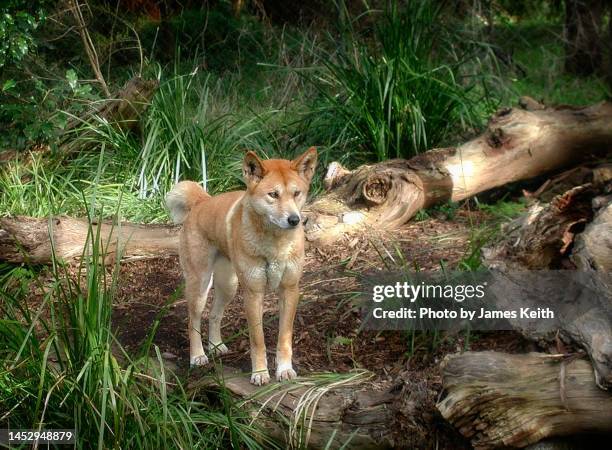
{"points": [[293, 220]]}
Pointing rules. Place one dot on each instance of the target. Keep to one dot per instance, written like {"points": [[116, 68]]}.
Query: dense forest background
{"points": [[362, 81]]}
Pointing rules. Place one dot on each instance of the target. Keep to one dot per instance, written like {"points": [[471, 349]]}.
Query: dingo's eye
{"points": [[273, 194], [296, 194]]}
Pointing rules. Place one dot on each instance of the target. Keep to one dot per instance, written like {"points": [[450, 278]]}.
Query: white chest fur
{"points": [[275, 270], [277, 251]]}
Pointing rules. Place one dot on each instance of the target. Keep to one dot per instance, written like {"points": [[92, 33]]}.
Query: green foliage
{"points": [[539, 57], [504, 210], [221, 40], [188, 133], [18, 21], [479, 237], [403, 92], [32, 110], [40, 184], [533, 8]]}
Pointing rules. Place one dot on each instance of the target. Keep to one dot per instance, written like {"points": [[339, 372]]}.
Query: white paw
{"points": [[260, 378], [217, 349], [285, 372], [196, 361]]}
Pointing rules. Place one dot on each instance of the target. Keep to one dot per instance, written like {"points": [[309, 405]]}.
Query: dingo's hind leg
{"points": [[197, 285], [226, 284]]}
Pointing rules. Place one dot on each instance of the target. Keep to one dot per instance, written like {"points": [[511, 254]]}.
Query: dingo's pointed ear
{"points": [[252, 169], [306, 163]]}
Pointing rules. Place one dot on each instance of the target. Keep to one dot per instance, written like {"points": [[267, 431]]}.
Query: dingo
{"points": [[253, 236]]}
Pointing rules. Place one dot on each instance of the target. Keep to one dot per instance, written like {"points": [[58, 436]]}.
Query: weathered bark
{"points": [[581, 305], [502, 400], [24, 239], [593, 247], [572, 230], [519, 144], [543, 237], [306, 416]]}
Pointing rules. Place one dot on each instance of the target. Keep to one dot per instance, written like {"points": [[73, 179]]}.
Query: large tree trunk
{"points": [[502, 400], [519, 144]]}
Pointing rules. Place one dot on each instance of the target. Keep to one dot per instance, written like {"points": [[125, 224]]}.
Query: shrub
{"points": [[18, 21]]}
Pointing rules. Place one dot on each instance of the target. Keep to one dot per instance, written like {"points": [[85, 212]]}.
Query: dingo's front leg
{"points": [[253, 302], [289, 296]]}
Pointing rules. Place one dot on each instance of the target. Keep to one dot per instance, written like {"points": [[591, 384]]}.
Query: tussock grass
{"points": [[403, 89], [39, 185]]}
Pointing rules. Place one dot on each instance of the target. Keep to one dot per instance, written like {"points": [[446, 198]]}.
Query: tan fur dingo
{"points": [[254, 237]]}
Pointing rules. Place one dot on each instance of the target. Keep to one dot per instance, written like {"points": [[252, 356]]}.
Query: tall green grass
{"points": [[392, 93], [42, 184], [61, 367], [402, 89], [199, 127]]}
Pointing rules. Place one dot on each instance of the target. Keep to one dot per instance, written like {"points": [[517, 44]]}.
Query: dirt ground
{"points": [[327, 330]]}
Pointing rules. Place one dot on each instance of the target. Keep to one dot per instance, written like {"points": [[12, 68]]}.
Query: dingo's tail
{"points": [[182, 198]]}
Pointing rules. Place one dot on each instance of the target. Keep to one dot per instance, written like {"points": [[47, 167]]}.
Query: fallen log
{"points": [[593, 247], [351, 411], [503, 400], [26, 239], [309, 413], [572, 231], [519, 143], [543, 237]]}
